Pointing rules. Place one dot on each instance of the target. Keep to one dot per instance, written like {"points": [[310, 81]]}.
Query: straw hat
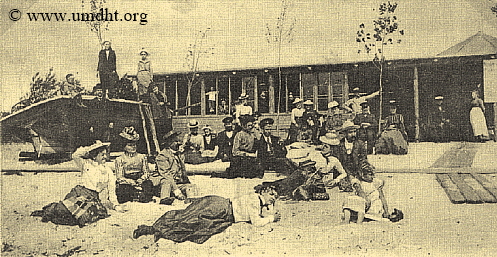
{"points": [[332, 104], [349, 125], [439, 97], [308, 102], [297, 100], [193, 124], [143, 51], [330, 139], [97, 145], [207, 127], [243, 96]]}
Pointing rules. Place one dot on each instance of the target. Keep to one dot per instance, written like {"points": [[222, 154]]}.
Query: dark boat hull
{"points": [[60, 125]]}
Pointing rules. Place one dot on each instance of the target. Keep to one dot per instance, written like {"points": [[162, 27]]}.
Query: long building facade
{"points": [[413, 83]]}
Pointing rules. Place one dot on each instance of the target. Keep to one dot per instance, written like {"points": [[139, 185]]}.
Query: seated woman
{"points": [[210, 215], [93, 197], [210, 146], [393, 139], [369, 201], [132, 173]]}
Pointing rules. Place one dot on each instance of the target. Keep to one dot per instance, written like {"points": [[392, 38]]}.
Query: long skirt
{"points": [[357, 204], [144, 80], [244, 167], [203, 218], [391, 142], [478, 122], [80, 207]]}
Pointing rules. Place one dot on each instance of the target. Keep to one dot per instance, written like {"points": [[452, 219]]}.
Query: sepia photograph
{"points": [[248, 128]]}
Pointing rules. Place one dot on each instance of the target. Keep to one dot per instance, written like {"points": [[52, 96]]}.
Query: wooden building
{"points": [[412, 82]]}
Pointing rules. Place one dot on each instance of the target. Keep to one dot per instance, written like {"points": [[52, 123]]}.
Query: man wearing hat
{"points": [[311, 120], [369, 126], [193, 143], [334, 118], [439, 121], [353, 152], [225, 140], [170, 174], [270, 151], [244, 161], [354, 104]]}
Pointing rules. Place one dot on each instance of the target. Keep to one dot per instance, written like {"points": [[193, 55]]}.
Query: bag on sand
{"points": [[396, 215]]}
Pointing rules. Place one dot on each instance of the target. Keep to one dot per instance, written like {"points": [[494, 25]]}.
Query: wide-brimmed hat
{"points": [[130, 134], [170, 134], [243, 96], [207, 127], [439, 97], [333, 104], [298, 155], [308, 102], [330, 139], [193, 124], [143, 50], [393, 103], [297, 100], [97, 145], [349, 125]]}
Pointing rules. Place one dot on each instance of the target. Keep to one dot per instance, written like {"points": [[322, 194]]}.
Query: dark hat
{"points": [[266, 121], [257, 114], [170, 135], [228, 120]]}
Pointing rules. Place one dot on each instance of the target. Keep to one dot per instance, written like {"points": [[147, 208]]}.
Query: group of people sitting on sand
{"points": [[339, 161]]}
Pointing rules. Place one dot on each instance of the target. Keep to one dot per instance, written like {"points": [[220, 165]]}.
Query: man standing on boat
{"points": [[107, 69]]}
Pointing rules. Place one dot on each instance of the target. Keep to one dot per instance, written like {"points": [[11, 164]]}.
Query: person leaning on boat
{"points": [[132, 172]]}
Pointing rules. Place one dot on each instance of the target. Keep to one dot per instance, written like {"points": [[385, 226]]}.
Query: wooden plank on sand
{"points": [[484, 195], [468, 192], [486, 183], [450, 188]]}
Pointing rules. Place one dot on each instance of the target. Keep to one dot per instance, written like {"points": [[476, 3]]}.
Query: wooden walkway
{"points": [[469, 188]]}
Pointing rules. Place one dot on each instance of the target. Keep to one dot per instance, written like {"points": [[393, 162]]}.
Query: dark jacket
{"points": [[104, 64], [352, 162], [276, 149], [171, 166], [225, 144]]}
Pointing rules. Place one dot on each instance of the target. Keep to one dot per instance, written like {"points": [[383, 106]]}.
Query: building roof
{"points": [[478, 44]]}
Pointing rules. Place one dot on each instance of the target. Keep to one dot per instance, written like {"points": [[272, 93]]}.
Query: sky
{"points": [[324, 32]]}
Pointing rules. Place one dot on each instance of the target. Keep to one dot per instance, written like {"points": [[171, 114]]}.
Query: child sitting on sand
{"points": [[369, 201]]}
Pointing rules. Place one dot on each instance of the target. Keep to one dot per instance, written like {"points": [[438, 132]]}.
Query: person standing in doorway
{"points": [[477, 118]]}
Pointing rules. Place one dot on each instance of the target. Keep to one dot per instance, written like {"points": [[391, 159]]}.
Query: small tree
{"points": [[41, 88], [386, 27], [195, 53], [281, 33], [93, 8]]}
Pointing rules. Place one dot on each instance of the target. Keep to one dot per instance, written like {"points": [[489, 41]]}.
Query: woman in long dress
{"points": [[477, 118], [210, 215], [144, 74], [93, 197], [393, 139], [296, 120]]}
